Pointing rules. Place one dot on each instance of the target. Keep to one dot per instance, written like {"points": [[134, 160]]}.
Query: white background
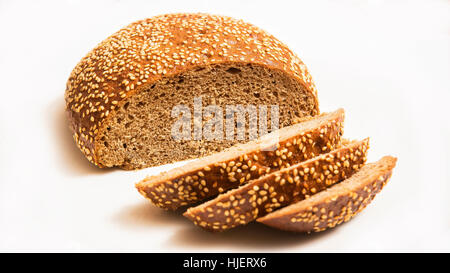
{"points": [[386, 62]]}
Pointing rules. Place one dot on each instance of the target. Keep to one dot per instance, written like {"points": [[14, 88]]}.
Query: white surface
{"points": [[386, 62]]}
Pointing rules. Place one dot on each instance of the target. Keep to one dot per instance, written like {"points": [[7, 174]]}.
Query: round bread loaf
{"points": [[120, 95]]}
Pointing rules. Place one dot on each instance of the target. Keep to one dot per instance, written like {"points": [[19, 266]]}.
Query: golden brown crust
{"points": [[162, 46], [337, 204], [220, 172], [279, 189]]}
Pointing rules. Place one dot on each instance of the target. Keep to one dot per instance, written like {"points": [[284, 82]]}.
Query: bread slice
{"points": [[120, 96], [335, 205], [262, 196], [220, 172]]}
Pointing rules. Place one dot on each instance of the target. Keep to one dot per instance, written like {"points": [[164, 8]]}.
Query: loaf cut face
{"points": [[242, 163], [140, 133], [279, 189], [336, 205], [120, 96]]}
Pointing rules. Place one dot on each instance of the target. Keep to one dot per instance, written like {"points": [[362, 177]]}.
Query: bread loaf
{"points": [[335, 205], [220, 172], [278, 189], [120, 95]]}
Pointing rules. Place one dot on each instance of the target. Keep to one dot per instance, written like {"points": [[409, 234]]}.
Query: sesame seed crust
{"points": [[337, 204], [149, 50], [215, 174], [279, 189]]}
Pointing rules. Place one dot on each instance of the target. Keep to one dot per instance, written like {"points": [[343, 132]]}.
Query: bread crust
{"points": [[268, 193], [337, 204], [150, 50], [220, 172]]}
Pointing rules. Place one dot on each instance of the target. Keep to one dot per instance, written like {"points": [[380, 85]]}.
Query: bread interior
{"points": [[139, 134]]}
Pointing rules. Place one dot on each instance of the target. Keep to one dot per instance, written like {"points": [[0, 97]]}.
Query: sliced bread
{"points": [[278, 189], [211, 175]]}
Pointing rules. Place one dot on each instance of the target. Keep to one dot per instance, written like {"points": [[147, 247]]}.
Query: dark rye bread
{"points": [[120, 95], [335, 205], [209, 176], [268, 193]]}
